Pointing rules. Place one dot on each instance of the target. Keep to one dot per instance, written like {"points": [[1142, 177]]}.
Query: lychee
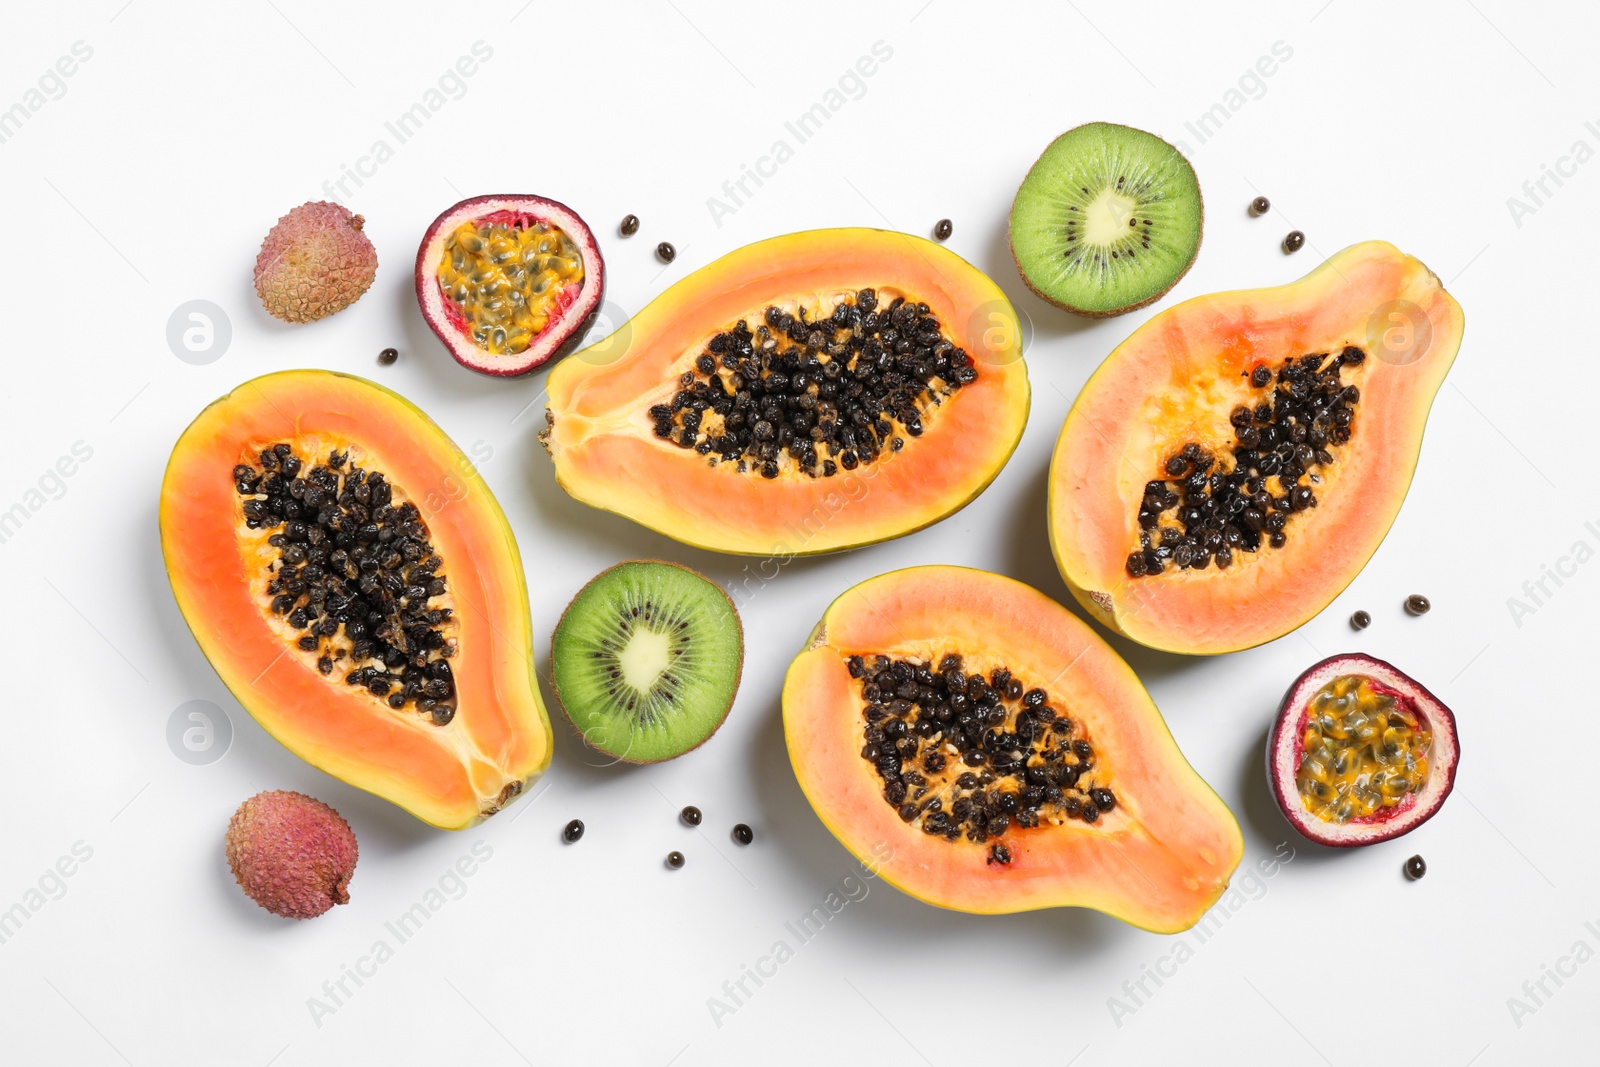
{"points": [[291, 853], [314, 262]]}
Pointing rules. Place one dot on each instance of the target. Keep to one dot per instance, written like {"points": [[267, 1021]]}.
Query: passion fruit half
{"points": [[1360, 752], [509, 282]]}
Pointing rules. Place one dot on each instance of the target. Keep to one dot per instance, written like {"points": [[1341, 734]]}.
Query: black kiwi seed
{"points": [[943, 229], [388, 356], [675, 860], [1260, 206], [1417, 604], [573, 831], [630, 225], [665, 252], [1360, 621], [690, 815], [743, 834], [1294, 241]]}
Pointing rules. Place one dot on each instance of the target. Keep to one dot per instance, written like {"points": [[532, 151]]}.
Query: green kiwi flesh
{"points": [[1107, 220], [646, 660]]}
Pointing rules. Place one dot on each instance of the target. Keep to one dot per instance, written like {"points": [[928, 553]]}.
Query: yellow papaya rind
{"points": [[500, 740], [606, 454], [1159, 860], [1143, 397]]}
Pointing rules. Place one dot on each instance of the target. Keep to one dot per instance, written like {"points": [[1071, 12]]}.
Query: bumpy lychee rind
{"points": [[314, 262], [291, 853]]}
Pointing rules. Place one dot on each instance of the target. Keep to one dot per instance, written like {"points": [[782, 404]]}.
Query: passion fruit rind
{"points": [[1410, 702], [509, 311]]}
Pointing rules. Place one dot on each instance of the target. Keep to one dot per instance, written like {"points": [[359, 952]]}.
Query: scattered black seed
{"points": [[943, 229], [690, 815], [816, 392], [1416, 867], [1360, 620], [1029, 763], [665, 252], [1294, 241], [352, 561], [1213, 507], [998, 853], [743, 834], [1260, 206], [573, 831], [388, 356], [675, 860], [630, 225], [1417, 604]]}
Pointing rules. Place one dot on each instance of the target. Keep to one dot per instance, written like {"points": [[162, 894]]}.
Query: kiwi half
{"points": [[1107, 220], [646, 659]]}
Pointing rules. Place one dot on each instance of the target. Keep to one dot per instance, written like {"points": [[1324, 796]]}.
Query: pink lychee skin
{"points": [[291, 853], [316, 260]]}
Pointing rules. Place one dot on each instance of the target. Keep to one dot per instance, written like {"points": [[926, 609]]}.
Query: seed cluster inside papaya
{"points": [[1243, 499], [971, 755], [815, 391], [508, 276], [1364, 751], [349, 578]]}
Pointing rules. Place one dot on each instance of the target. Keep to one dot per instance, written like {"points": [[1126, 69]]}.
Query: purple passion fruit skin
{"points": [[509, 282], [1360, 752]]}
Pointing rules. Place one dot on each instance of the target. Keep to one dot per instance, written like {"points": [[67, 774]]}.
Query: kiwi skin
{"points": [[737, 678], [1113, 312]]}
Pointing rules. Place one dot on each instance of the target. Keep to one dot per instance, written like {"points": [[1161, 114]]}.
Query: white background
{"points": [[150, 181]]}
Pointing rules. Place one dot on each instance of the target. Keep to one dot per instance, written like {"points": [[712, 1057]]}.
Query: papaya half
{"points": [[1234, 463], [803, 394], [355, 585], [985, 751]]}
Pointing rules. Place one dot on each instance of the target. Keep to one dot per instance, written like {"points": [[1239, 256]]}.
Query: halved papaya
{"points": [[1234, 463], [803, 394], [354, 583], [984, 750]]}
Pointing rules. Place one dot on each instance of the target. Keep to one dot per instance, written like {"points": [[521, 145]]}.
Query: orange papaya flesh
{"points": [[414, 551], [1333, 375], [1157, 855], [918, 459]]}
